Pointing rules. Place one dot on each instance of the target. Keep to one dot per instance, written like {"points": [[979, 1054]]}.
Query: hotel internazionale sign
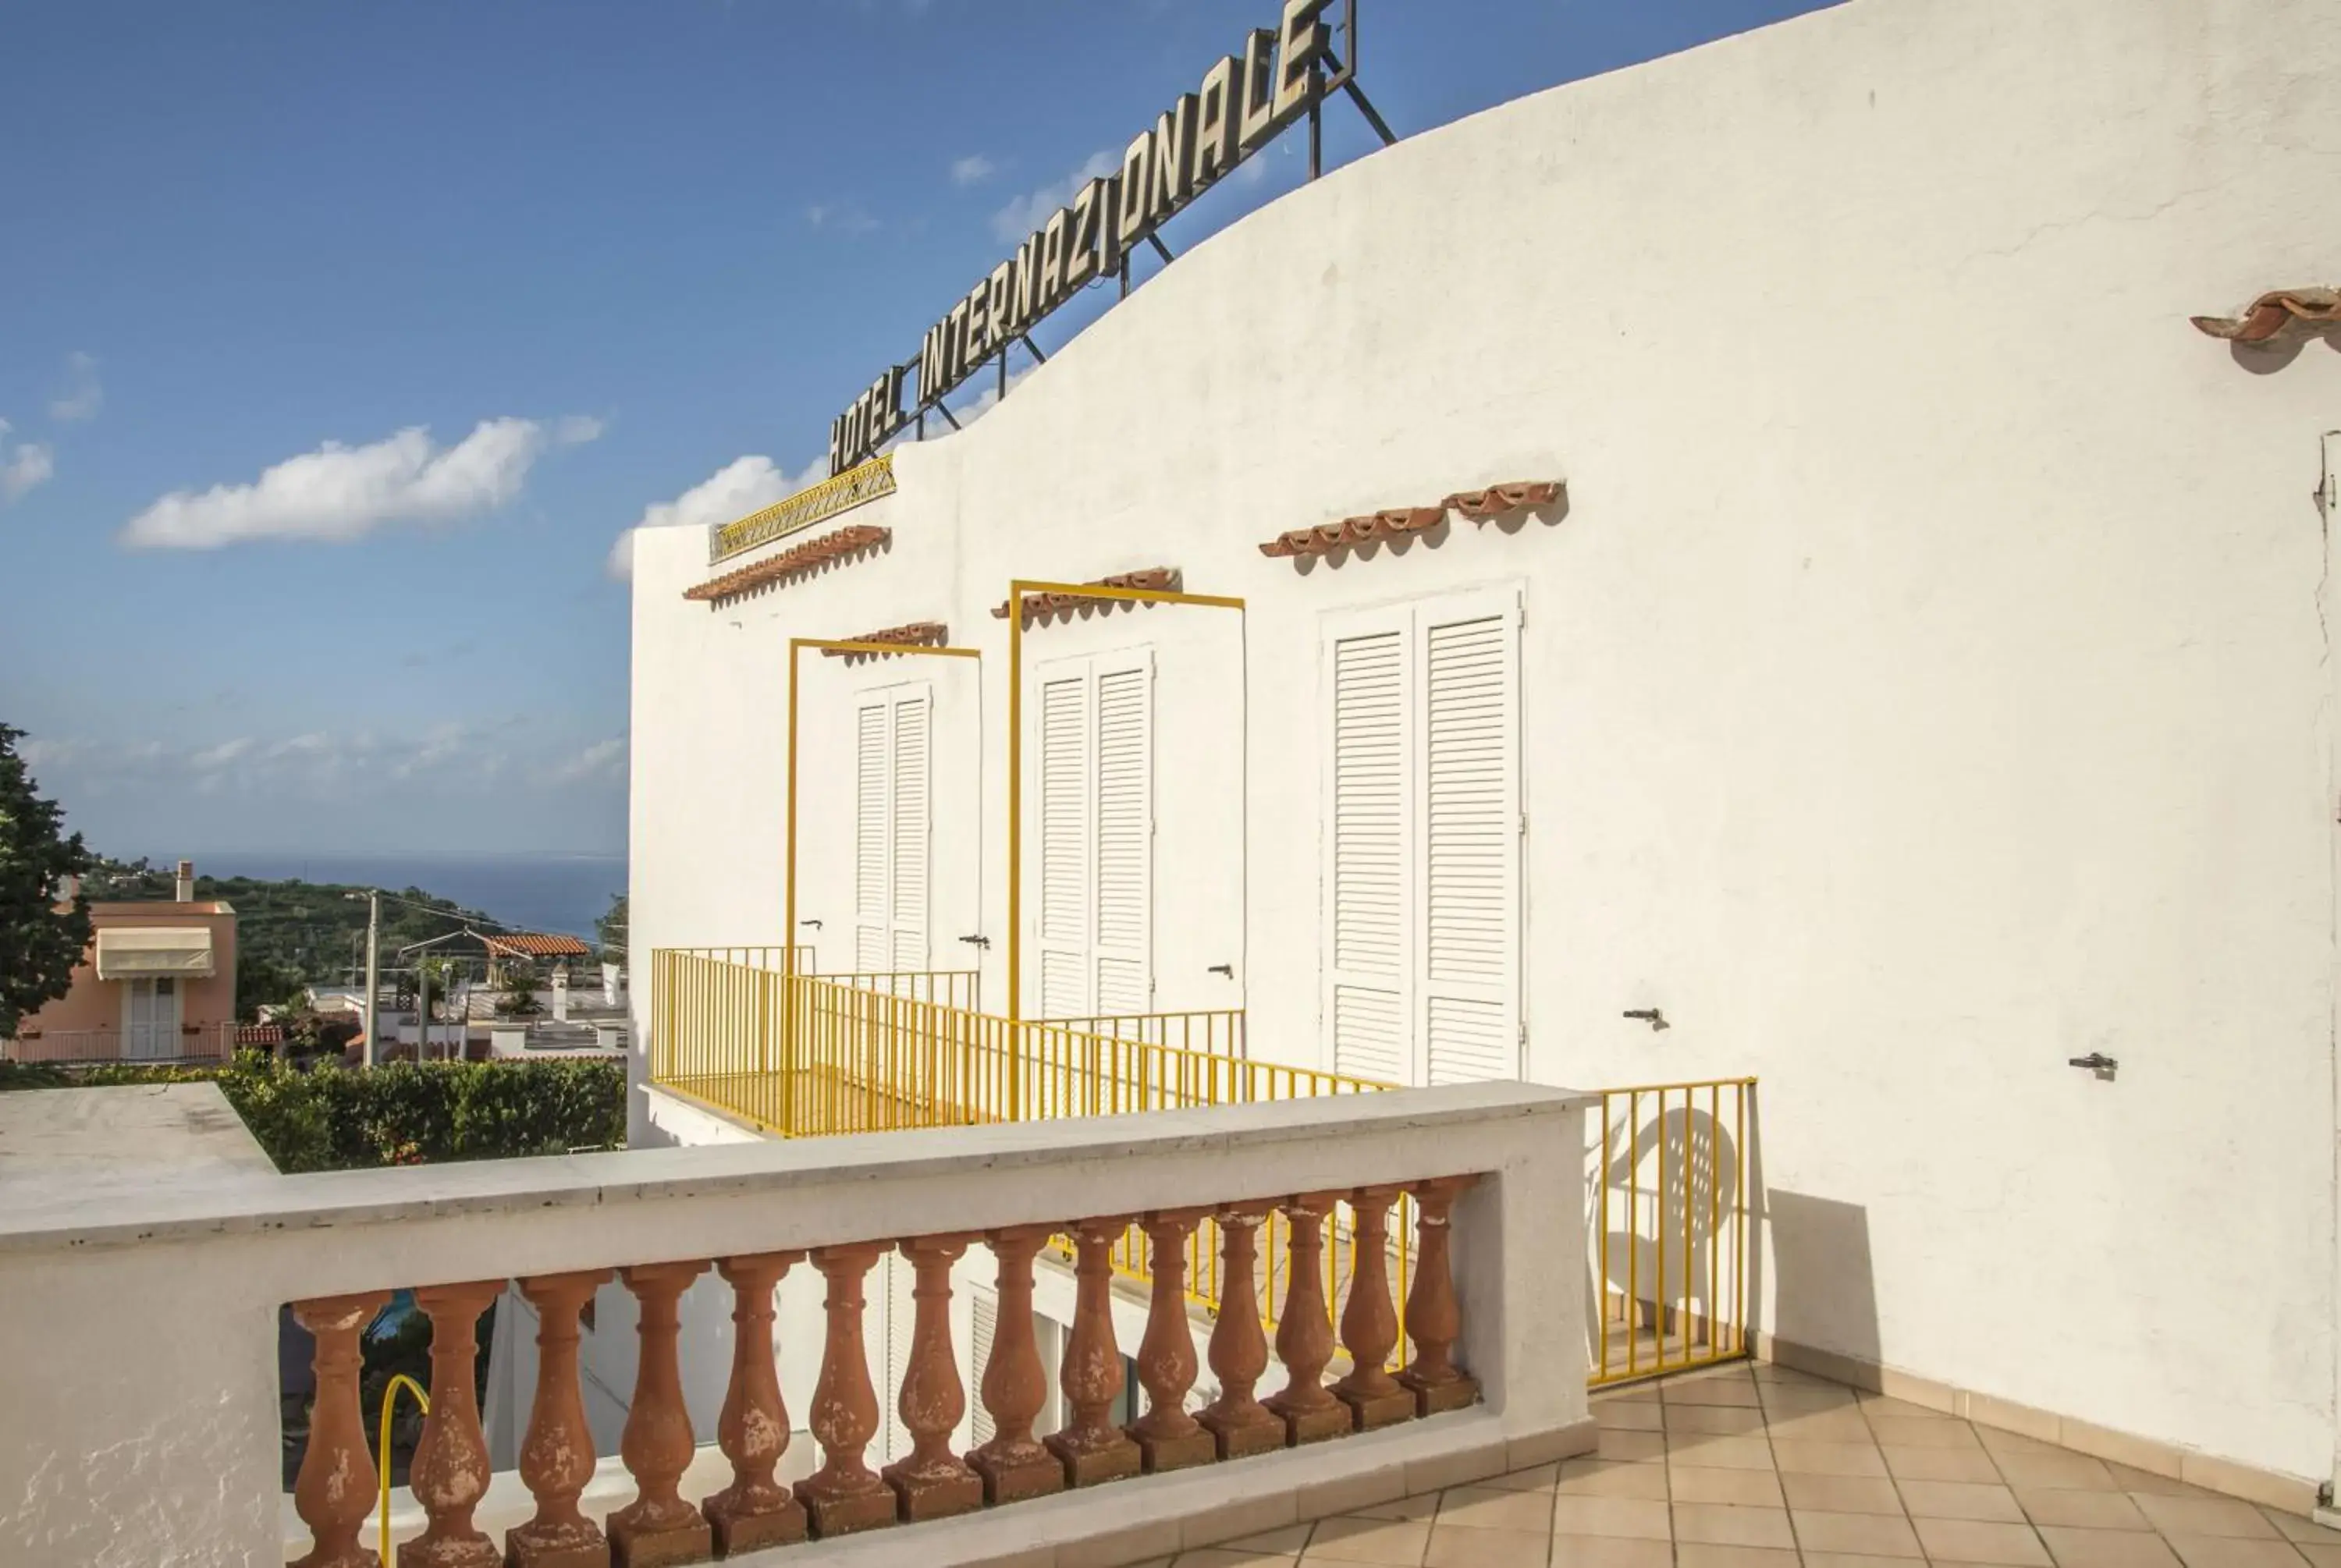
{"points": [[1245, 100]]}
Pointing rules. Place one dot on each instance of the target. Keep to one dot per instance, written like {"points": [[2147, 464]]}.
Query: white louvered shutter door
{"points": [[872, 819], [909, 855], [1064, 823], [1368, 846], [896, 1279], [985, 1312], [1470, 977], [1124, 816]]}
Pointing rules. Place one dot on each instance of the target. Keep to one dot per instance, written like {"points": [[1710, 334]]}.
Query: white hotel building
{"points": [[1911, 672]]}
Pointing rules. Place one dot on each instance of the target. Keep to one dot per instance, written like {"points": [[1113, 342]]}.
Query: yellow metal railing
{"points": [[1667, 1226], [1219, 1032], [805, 1055]]}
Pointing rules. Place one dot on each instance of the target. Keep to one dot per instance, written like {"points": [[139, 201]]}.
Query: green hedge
{"points": [[403, 1113]]}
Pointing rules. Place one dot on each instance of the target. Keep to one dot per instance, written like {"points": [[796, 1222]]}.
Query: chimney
{"points": [[68, 889], [185, 893]]}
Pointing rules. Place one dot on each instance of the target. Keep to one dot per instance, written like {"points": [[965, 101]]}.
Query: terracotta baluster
{"points": [[1433, 1320], [755, 1510], [556, 1456], [1012, 1464], [1369, 1321], [1091, 1446], [1167, 1436], [450, 1471], [658, 1527], [845, 1494], [334, 1492], [1304, 1329], [934, 1483], [1238, 1424]]}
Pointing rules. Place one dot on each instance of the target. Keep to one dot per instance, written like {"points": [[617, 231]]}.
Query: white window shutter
{"points": [[872, 819], [911, 834], [1369, 957], [1064, 923], [1471, 848], [1124, 814]]}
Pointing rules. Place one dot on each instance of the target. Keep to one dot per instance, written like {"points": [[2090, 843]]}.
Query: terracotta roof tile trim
{"points": [[911, 634], [1161, 579], [2271, 313], [535, 945], [806, 557], [1480, 505]]}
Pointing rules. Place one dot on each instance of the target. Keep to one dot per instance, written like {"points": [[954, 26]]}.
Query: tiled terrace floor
{"points": [[1762, 1467]]}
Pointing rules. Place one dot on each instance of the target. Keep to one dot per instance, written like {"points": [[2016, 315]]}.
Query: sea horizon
{"points": [[558, 891]]}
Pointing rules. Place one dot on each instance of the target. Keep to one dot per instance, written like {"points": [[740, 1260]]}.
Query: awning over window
{"points": [[129, 953]]}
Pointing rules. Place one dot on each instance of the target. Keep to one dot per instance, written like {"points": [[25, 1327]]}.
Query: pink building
{"points": [[157, 984]]}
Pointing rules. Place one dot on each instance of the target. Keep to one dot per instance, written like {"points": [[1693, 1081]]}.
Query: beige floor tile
{"points": [[1538, 1479], [1940, 1465], [2321, 1555], [2080, 1509], [1419, 1508], [1803, 1398], [1646, 1392], [1610, 1551], [1718, 1453], [1902, 1432], [1867, 1534], [1635, 1516], [1839, 1424], [2295, 1528], [2234, 1551], [2107, 1548], [1631, 1446], [1981, 1541], [1285, 1541], [1220, 1557], [1611, 1478], [1886, 1407], [1486, 1508], [1853, 1560], [1827, 1458], [2205, 1516], [1349, 1539], [1999, 1442], [1645, 1416], [1960, 1500], [1695, 1554], [2152, 1485], [1721, 1524], [1453, 1546], [1745, 1488], [1842, 1493], [2056, 1468], [1725, 1420], [1710, 1391]]}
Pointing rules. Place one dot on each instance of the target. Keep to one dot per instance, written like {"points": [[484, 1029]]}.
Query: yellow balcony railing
{"points": [[813, 1055]]}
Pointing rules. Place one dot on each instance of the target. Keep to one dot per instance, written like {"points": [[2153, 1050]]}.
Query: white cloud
{"points": [[604, 761], [844, 220], [343, 493], [744, 485], [83, 396], [23, 466], [213, 757], [1017, 220], [972, 170], [577, 429]]}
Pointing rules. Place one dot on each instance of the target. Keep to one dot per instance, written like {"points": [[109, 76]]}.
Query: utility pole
{"points": [[373, 975], [421, 1007]]}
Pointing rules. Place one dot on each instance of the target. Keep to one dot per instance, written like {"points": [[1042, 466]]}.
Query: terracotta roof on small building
{"points": [[809, 556], [911, 634], [534, 945], [1161, 579], [2266, 317]]}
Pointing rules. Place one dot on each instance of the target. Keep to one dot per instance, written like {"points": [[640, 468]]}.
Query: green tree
{"points": [[611, 930], [39, 943], [262, 981]]}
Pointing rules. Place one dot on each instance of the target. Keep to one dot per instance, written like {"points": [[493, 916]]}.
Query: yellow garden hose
{"points": [[390, 1398]]}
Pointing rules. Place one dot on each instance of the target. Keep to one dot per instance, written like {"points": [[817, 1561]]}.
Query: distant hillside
{"points": [[315, 929]]}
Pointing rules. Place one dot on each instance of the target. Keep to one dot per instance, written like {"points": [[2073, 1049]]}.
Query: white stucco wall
{"points": [[1928, 683]]}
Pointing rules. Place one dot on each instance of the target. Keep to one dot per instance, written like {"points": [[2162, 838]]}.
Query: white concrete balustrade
{"points": [[142, 1403]]}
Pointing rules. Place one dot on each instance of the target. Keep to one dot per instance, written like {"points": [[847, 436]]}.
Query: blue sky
{"points": [[478, 287]]}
